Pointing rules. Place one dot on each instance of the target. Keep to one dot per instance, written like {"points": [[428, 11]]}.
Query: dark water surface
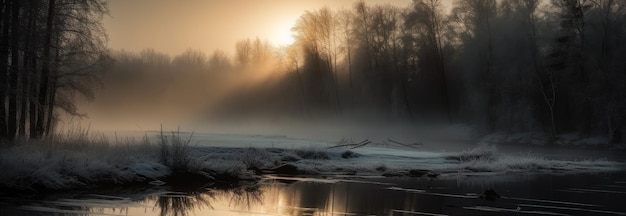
{"points": [[572, 194]]}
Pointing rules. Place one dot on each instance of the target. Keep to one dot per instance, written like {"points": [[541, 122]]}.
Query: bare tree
{"points": [[428, 22], [317, 36]]}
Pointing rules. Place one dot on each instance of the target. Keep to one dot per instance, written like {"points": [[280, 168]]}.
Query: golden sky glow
{"points": [[173, 26]]}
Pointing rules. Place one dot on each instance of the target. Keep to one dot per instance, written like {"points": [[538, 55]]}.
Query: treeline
{"points": [[49, 51], [511, 65]]}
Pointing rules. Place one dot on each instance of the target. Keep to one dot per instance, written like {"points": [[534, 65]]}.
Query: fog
{"points": [[155, 81], [213, 94], [456, 70]]}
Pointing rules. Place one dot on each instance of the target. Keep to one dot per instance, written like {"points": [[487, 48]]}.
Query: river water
{"points": [[453, 194]]}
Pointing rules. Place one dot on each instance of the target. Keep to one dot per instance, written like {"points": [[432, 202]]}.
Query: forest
{"points": [[50, 52], [553, 67]]}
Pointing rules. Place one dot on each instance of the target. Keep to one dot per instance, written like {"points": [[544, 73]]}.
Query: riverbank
{"points": [[81, 161]]}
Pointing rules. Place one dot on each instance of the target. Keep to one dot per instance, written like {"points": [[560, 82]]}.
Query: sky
{"points": [[172, 27]]}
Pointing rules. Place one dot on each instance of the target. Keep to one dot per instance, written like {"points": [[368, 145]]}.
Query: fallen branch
{"points": [[413, 145], [354, 145], [362, 144]]}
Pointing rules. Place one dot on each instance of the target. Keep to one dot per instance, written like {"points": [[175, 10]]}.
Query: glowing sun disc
{"points": [[283, 35]]}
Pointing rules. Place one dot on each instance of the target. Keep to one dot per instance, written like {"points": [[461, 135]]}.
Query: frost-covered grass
{"points": [[78, 159], [484, 158], [312, 153], [68, 161], [483, 152], [535, 164]]}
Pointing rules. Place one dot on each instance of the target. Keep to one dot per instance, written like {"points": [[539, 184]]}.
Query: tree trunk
{"points": [[14, 71], [33, 107], [4, 54], [50, 111], [28, 67], [444, 82], [45, 73], [23, 101], [491, 79], [33, 78], [52, 93]]}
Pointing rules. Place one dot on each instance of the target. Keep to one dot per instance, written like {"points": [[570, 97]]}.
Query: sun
{"points": [[282, 35]]}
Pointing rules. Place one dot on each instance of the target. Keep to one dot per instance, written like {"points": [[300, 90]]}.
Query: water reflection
{"points": [[522, 194], [240, 197], [179, 204]]}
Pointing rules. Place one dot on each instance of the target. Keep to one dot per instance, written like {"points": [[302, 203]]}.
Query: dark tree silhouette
{"points": [[50, 50]]}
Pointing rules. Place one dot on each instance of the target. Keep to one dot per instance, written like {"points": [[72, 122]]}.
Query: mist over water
{"points": [[257, 94]]}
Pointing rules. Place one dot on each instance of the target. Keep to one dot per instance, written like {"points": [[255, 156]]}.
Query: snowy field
{"points": [[70, 163]]}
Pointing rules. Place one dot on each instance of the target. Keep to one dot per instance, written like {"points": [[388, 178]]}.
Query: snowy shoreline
{"points": [[62, 164]]}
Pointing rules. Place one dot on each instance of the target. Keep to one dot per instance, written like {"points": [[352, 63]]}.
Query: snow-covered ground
{"points": [[62, 164], [380, 157]]}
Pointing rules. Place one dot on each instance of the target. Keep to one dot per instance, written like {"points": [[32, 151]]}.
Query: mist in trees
{"points": [[50, 53], [552, 67]]}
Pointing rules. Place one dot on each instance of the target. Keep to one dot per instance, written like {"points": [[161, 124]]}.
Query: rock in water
{"points": [[490, 195]]}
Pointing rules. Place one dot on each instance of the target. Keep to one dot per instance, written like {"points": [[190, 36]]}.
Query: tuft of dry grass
{"points": [[175, 151]]}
